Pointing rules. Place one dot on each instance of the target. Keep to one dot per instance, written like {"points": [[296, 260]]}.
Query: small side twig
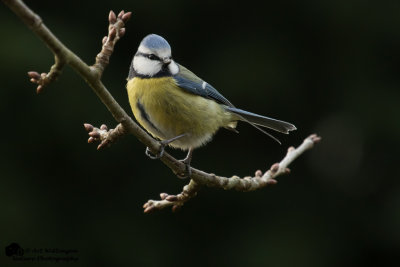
{"points": [[176, 201], [115, 31], [44, 79], [103, 135]]}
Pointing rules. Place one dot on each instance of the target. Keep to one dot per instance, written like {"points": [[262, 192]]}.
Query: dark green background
{"points": [[330, 67]]}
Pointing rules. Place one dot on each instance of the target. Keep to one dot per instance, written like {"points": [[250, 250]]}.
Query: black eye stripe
{"points": [[149, 56]]}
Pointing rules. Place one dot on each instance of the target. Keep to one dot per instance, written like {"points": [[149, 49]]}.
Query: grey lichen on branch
{"points": [[92, 75]]}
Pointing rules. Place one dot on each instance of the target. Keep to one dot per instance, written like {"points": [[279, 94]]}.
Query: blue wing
{"points": [[188, 81]]}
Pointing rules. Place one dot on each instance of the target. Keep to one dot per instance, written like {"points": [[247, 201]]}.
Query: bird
{"points": [[177, 107]]}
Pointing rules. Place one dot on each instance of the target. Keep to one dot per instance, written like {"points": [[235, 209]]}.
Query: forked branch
{"points": [[92, 75]]}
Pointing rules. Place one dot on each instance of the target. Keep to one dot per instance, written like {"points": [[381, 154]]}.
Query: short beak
{"points": [[166, 60]]}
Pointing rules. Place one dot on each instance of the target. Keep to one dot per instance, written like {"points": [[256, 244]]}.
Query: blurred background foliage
{"points": [[330, 67]]}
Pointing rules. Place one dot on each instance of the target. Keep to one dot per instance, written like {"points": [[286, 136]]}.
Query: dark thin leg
{"points": [[187, 161], [163, 144]]}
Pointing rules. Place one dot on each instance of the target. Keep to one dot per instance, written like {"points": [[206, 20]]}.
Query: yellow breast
{"points": [[166, 111]]}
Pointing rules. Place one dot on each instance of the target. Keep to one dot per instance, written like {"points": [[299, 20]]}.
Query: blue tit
{"points": [[179, 108]]}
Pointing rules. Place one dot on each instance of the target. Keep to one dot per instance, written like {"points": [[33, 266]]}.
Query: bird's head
{"points": [[154, 57]]}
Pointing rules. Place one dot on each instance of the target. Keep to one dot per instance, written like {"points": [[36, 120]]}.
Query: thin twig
{"points": [[115, 31], [176, 201], [42, 80], [248, 183]]}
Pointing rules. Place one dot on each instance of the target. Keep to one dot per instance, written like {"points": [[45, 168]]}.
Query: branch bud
{"points": [[34, 75], [290, 149], [176, 208], [121, 32], [112, 18], [39, 89], [275, 167], [101, 145], [94, 134], [126, 17], [315, 138], [88, 127], [148, 204], [148, 209]]}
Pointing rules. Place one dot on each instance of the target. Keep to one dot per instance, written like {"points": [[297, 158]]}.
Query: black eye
{"points": [[152, 57]]}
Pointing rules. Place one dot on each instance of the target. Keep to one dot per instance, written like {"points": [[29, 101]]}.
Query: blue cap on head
{"points": [[154, 41]]}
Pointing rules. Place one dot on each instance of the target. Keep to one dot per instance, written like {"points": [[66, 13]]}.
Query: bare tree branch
{"points": [[92, 75], [244, 184]]}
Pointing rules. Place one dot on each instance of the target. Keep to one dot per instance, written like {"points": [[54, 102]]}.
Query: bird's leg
{"points": [[163, 144], [186, 161]]}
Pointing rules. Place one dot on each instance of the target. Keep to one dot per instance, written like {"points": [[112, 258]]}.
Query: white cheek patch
{"points": [[145, 66], [173, 68]]}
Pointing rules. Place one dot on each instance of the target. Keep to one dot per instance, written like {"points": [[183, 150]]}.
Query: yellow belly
{"points": [[171, 111]]}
